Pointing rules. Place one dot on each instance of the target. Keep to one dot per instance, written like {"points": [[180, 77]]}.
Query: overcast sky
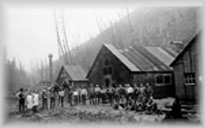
{"points": [[31, 33]]}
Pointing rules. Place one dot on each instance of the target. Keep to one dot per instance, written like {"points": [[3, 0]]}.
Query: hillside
{"points": [[155, 26]]}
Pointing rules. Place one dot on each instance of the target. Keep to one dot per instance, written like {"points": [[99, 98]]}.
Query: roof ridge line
{"points": [[121, 57]]}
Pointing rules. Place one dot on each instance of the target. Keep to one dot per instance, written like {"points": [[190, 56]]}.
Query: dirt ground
{"points": [[92, 114]]}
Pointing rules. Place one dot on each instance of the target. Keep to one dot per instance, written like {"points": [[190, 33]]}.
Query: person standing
{"points": [[61, 97], [52, 99], [83, 94], [110, 94], [70, 95], [176, 109], [29, 101], [35, 101], [117, 94], [79, 95], [91, 94], [103, 94], [149, 90], [76, 96], [45, 99], [97, 94], [142, 89], [130, 91], [21, 97]]}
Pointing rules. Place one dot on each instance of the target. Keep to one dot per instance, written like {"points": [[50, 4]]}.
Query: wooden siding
{"points": [[122, 75], [159, 91], [187, 62]]}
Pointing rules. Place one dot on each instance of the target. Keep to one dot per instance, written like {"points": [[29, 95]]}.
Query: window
{"points": [[106, 62], [107, 70], [189, 79], [167, 79], [163, 79], [159, 79]]}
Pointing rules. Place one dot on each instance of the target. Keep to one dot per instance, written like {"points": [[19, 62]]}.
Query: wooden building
{"points": [[186, 70], [134, 65], [73, 75]]}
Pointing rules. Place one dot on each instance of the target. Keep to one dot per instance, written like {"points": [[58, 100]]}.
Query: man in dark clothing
{"points": [[117, 94], [176, 109], [70, 93], [45, 100], [110, 93], [91, 94], [21, 98], [103, 94], [52, 99]]}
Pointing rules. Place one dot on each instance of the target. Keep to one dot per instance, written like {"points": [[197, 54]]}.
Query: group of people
{"points": [[33, 100], [136, 97], [27, 100]]}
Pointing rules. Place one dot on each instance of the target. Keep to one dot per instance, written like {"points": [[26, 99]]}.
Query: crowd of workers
{"points": [[127, 97], [137, 97], [33, 100]]}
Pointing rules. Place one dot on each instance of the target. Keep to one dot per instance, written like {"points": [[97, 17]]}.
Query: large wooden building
{"points": [[73, 75], [186, 70], [134, 65]]}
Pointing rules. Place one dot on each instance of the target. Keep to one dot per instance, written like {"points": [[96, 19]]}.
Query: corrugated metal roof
{"points": [[75, 72], [121, 57], [139, 60], [161, 54], [144, 58], [157, 63]]}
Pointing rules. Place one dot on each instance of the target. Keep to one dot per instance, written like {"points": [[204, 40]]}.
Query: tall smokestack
{"points": [[51, 67]]}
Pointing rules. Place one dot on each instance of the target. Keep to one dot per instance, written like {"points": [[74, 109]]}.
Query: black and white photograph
{"points": [[120, 65]]}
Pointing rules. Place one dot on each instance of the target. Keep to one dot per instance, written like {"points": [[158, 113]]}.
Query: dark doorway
{"points": [[107, 82]]}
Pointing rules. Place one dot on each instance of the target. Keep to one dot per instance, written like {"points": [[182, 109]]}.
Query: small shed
{"points": [[72, 75], [134, 65], [187, 67]]}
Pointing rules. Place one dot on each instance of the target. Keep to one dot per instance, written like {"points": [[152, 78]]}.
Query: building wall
{"points": [[79, 84], [64, 76], [187, 63], [160, 91], [120, 74]]}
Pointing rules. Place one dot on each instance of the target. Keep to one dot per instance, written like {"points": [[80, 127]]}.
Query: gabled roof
{"points": [[121, 57], [141, 59], [193, 40], [149, 58], [75, 72]]}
